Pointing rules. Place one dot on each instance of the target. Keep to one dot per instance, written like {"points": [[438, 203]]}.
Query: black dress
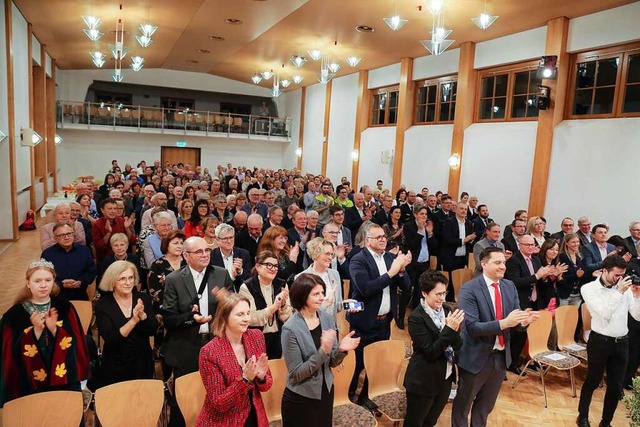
{"points": [[124, 358]]}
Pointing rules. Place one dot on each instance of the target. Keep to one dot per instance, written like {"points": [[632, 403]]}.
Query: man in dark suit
{"points": [[255, 205], [456, 243], [584, 230], [376, 276], [510, 241], [633, 241], [442, 215], [236, 261], [406, 209], [472, 210], [299, 234], [249, 238], [524, 270], [491, 239], [566, 226], [491, 310], [432, 206], [189, 304], [519, 214], [481, 221], [382, 216], [598, 249], [260, 183], [354, 216]]}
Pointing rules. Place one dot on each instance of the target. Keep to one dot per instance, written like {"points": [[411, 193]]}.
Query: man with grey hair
{"points": [[240, 221], [61, 213], [458, 236], [151, 245], [158, 199], [255, 206], [232, 186], [178, 194], [248, 239], [236, 260], [114, 193]]}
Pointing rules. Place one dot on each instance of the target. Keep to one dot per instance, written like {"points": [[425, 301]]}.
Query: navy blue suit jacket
{"points": [[247, 264], [592, 258]]}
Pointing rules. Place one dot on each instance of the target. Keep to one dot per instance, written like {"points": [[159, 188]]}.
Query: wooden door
{"points": [[187, 156]]}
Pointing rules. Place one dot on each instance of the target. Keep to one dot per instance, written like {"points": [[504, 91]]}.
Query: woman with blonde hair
{"points": [[322, 251], [125, 322], [185, 207], [43, 346], [234, 368], [569, 290], [535, 228], [209, 225]]}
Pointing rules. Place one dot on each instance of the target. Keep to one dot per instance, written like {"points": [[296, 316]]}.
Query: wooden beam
{"points": [[557, 33], [405, 118], [11, 138], [325, 132], [40, 110], [362, 121], [465, 103], [52, 165], [32, 156], [303, 101]]}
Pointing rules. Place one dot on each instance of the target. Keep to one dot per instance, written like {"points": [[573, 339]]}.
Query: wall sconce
{"points": [[299, 151], [58, 139], [354, 155], [29, 137], [2, 136], [454, 161]]}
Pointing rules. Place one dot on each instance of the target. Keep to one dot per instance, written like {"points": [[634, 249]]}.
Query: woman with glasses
{"points": [[322, 251], [125, 322], [275, 240], [269, 301], [193, 226], [220, 210], [435, 334]]}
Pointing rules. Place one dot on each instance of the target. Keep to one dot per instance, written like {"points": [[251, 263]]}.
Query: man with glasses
{"points": [[75, 269], [566, 228], [249, 238], [236, 261], [61, 213], [255, 206], [511, 241], [376, 276], [584, 230], [340, 262], [189, 305]]}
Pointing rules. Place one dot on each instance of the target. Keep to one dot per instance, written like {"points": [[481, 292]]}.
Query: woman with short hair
{"points": [[322, 251]]}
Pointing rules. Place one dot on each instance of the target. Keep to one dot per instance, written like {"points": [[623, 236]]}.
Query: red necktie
{"points": [[498, 310]]}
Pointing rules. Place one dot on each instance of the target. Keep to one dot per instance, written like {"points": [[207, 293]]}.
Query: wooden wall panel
{"points": [[362, 121], [406, 100], [303, 102], [11, 137], [325, 133]]}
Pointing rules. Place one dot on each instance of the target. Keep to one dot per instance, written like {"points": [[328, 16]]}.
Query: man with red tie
{"points": [[492, 310]]}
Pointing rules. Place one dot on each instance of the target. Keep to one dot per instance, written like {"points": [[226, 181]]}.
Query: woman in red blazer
{"points": [[234, 369]]}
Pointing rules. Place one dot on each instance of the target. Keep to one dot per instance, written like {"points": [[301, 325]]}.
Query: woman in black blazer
{"points": [[435, 336]]}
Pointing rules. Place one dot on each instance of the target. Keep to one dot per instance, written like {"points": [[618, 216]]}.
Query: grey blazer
{"points": [[304, 361]]}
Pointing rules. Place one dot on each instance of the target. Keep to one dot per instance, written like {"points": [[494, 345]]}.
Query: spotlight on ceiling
{"points": [[298, 61], [256, 78], [297, 79]]}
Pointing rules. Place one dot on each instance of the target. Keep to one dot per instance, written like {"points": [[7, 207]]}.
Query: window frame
{"points": [[510, 70], [384, 90], [438, 82], [623, 52]]}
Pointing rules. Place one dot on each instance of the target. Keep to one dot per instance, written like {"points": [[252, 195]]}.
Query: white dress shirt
{"points": [[609, 308], [462, 250], [385, 304], [228, 264], [492, 292], [203, 302], [603, 250]]}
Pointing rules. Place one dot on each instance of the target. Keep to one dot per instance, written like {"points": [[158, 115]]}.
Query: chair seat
{"points": [[353, 415], [568, 362], [393, 405], [580, 354]]}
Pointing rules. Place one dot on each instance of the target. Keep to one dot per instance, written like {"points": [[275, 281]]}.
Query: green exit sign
{"points": [[181, 144]]}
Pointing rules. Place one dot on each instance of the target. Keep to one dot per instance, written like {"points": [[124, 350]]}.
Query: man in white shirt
{"points": [[609, 298]]}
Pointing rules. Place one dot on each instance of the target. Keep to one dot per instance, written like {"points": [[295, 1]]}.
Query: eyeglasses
{"points": [[442, 294], [65, 235], [378, 238], [527, 244], [226, 239], [335, 233], [126, 279], [200, 252], [269, 266], [328, 254]]}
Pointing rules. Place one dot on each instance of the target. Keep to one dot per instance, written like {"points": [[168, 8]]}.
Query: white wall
{"points": [[384, 76], [512, 48], [74, 83], [6, 226], [372, 143], [608, 27], [48, 64], [497, 166], [21, 63], [35, 49], [342, 124], [292, 102], [426, 153], [313, 128], [436, 65], [594, 172]]}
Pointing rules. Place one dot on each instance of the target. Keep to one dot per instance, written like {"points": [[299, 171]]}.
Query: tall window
{"points": [[436, 101], [606, 83], [508, 94], [384, 106]]}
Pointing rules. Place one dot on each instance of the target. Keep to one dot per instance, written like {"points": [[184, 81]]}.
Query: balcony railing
{"points": [[71, 114]]}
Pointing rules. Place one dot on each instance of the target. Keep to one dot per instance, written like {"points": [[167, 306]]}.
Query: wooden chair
{"points": [[78, 113], [135, 117], [130, 403], [343, 324], [199, 121], [346, 287], [383, 362], [538, 334], [228, 122], [237, 124], [459, 278], [190, 395], [125, 115], [93, 113], [472, 263], [566, 322], [345, 412], [85, 313], [272, 399], [433, 262], [586, 322], [219, 123], [48, 409], [179, 120], [210, 122]]}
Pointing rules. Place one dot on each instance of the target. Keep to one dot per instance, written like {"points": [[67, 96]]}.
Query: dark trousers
{"points": [[381, 331], [604, 353], [414, 271], [423, 411], [518, 340], [478, 392], [634, 357]]}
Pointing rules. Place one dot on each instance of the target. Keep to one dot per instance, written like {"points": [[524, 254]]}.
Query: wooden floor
{"points": [[523, 406]]}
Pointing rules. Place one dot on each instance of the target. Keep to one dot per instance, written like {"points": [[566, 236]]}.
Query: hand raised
{"points": [[38, 321], [50, 319], [516, 317], [327, 339], [262, 366], [250, 368], [455, 319], [349, 342]]}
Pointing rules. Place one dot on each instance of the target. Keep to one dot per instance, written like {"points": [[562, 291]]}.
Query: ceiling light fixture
{"points": [[267, 74], [365, 29], [137, 62], [485, 20], [144, 41], [285, 82], [333, 67], [256, 78], [29, 137], [315, 54], [92, 22], [275, 91], [298, 61], [93, 33], [297, 79], [147, 29], [58, 139], [435, 6], [353, 61], [2, 136], [98, 58], [118, 51], [217, 38], [438, 42], [395, 22], [325, 75], [232, 21]]}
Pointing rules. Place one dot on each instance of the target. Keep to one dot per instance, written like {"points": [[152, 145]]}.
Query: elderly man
{"points": [[248, 239], [255, 206], [73, 262], [61, 213], [287, 221], [151, 245], [355, 215], [240, 221], [76, 209], [236, 260], [309, 197], [178, 194], [491, 239], [331, 232], [158, 199], [275, 217], [457, 243], [105, 227]]}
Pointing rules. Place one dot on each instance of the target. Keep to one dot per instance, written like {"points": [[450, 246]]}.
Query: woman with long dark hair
{"points": [[275, 241], [193, 227]]}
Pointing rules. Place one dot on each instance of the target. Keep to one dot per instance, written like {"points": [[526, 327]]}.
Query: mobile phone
{"points": [[353, 305]]}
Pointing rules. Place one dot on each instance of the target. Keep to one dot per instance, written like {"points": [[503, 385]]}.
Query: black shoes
{"points": [[603, 424], [400, 323], [583, 422], [515, 369]]}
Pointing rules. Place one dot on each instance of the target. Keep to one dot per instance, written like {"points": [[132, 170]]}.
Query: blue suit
{"points": [[592, 258]]}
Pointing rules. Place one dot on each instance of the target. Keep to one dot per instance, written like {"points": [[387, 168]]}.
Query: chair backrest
{"points": [[199, 118], [130, 403], [460, 277], [346, 286], [343, 324], [49, 409], [342, 379], [125, 114], [383, 362], [78, 109], [228, 120], [433, 262], [148, 114], [538, 333], [566, 322], [135, 114], [237, 121], [218, 120], [586, 322], [272, 399], [179, 117], [190, 395], [472, 263], [103, 112], [93, 110], [85, 313], [209, 119]]}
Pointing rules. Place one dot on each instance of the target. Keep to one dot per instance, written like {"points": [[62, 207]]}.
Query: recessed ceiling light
{"points": [[193, 61], [364, 29], [217, 38], [233, 21], [203, 51]]}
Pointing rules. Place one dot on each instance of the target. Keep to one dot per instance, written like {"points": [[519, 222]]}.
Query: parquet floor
{"points": [[523, 406]]}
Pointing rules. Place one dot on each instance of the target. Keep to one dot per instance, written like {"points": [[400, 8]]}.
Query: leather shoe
{"points": [[400, 323], [515, 369], [603, 424], [583, 422]]}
